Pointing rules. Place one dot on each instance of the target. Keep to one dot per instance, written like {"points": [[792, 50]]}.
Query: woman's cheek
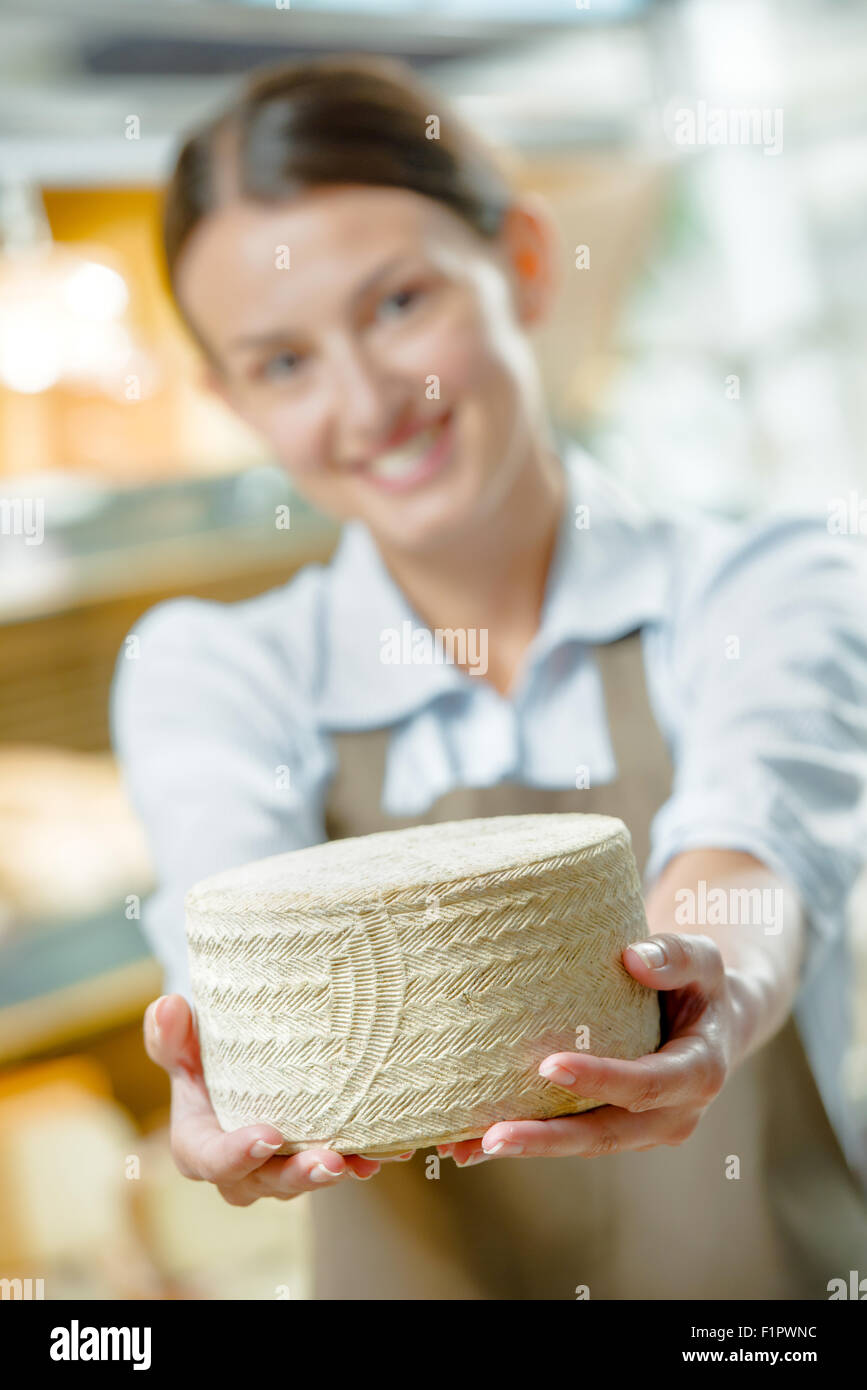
{"points": [[455, 350], [297, 441]]}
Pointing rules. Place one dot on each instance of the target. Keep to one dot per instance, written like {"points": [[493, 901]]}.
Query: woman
{"points": [[363, 286]]}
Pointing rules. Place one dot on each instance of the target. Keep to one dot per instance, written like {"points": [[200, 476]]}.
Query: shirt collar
{"points": [[607, 577]]}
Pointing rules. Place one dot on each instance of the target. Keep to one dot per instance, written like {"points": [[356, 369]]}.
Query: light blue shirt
{"points": [[754, 639]]}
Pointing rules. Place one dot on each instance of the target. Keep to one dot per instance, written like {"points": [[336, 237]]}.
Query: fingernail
{"points": [[401, 1158], [650, 952], [363, 1177], [155, 1017], [503, 1147], [473, 1158], [260, 1149], [322, 1174], [552, 1072]]}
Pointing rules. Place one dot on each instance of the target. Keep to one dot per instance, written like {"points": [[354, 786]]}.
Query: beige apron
{"points": [[665, 1223]]}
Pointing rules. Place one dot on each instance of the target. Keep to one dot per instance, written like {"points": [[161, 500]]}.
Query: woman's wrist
{"points": [[747, 999], [762, 967], [761, 1001]]}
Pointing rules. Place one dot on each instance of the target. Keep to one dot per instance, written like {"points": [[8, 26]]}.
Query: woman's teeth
{"points": [[400, 462]]}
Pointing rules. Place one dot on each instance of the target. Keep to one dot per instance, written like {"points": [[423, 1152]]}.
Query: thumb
{"points": [[673, 960], [170, 1035]]}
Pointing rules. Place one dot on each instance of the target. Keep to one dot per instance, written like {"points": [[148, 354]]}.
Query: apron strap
{"points": [[642, 784], [644, 766]]}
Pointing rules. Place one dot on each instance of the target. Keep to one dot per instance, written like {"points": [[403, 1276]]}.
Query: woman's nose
{"points": [[365, 401]]}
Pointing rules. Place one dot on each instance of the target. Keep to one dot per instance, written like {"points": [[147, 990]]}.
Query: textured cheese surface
{"points": [[421, 855], [399, 990]]}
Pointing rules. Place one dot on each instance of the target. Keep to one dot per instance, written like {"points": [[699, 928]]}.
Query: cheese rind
{"points": [[399, 990]]}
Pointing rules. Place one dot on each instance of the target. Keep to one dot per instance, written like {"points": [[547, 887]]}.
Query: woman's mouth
{"points": [[414, 461]]}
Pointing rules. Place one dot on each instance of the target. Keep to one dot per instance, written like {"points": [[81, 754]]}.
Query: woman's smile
{"points": [[420, 456], [333, 362]]}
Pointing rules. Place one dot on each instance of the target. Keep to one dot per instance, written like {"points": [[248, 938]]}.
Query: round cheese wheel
{"points": [[398, 990]]}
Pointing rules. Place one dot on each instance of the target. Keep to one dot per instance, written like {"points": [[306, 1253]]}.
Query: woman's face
{"points": [[379, 345]]}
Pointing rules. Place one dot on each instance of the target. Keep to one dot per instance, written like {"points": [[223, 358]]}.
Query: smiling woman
{"points": [[365, 285], [361, 278]]}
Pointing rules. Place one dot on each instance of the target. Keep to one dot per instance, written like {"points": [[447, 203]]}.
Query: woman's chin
{"points": [[425, 527]]}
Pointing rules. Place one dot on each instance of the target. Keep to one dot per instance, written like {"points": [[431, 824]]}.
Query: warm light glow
{"points": [[29, 354], [94, 291], [59, 321]]}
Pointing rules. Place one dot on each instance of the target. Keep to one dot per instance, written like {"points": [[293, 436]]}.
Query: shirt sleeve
{"points": [[219, 754], [768, 672]]}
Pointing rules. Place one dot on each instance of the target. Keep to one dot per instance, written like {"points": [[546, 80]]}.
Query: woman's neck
{"points": [[496, 584]]}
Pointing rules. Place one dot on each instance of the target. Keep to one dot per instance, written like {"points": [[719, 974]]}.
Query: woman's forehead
{"points": [[308, 253], [242, 234]]}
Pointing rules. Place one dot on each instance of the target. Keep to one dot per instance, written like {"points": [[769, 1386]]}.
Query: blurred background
{"points": [[711, 353]]}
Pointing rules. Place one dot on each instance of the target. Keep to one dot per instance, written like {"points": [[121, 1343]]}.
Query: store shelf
{"points": [[63, 982]]}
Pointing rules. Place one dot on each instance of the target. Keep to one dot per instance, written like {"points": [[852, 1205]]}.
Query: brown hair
{"points": [[333, 120]]}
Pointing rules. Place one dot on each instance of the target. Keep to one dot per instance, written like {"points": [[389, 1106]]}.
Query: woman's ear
{"points": [[533, 248]]}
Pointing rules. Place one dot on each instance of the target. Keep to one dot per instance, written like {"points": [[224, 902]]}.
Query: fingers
{"points": [[242, 1163], [169, 1035], [244, 1167], [285, 1178], [656, 1099], [361, 1167], [603, 1131], [200, 1148], [465, 1152], [390, 1158], [688, 1070], [672, 960]]}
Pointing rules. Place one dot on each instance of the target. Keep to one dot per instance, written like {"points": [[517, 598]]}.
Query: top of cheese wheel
{"points": [[422, 856]]}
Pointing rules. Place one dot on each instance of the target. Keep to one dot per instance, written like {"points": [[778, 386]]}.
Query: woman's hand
{"points": [[657, 1099], [240, 1164]]}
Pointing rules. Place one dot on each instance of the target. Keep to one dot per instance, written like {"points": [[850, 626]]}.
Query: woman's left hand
{"points": [[656, 1099]]}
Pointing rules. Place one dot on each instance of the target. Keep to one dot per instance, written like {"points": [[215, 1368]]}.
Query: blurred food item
{"points": [[69, 842], [97, 375], [67, 342], [96, 1210], [69, 1156], [208, 1249]]}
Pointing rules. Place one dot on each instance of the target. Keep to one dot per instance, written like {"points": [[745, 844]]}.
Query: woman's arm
{"points": [[763, 949], [725, 988], [221, 762], [762, 677]]}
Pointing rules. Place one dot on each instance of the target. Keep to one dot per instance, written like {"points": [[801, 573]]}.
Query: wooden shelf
{"points": [[71, 1016]]}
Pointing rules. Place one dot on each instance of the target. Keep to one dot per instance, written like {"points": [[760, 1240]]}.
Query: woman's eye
{"points": [[282, 364], [398, 302]]}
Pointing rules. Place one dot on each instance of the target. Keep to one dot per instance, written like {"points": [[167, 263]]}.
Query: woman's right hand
{"points": [[241, 1163]]}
